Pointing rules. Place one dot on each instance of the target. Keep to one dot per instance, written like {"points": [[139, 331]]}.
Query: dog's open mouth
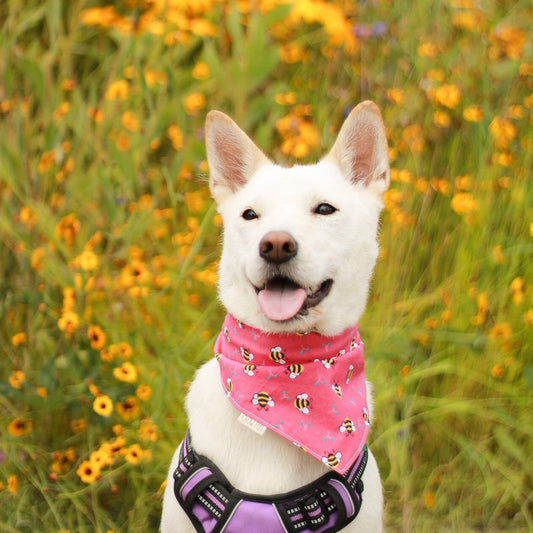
{"points": [[282, 299]]}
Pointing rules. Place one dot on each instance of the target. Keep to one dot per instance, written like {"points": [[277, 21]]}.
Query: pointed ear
{"points": [[361, 149], [231, 155]]}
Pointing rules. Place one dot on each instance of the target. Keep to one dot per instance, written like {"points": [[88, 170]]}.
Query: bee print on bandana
{"points": [[337, 390], [226, 334], [328, 363], [302, 403], [277, 355], [366, 416], [263, 400], [353, 344], [294, 370], [332, 459], [249, 369], [349, 374], [347, 426], [229, 387], [246, 355]]}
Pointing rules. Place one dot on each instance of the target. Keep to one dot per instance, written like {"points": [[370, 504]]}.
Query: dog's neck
{"points": [[259, 344], [310, 389]]}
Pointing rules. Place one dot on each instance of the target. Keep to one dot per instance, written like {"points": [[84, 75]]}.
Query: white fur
{"points": [[341, 246]]}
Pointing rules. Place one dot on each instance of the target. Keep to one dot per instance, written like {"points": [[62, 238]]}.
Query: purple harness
{"points": [[215, 506]]}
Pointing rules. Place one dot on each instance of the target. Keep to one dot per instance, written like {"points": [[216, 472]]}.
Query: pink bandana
{"points": [[310, 389]]}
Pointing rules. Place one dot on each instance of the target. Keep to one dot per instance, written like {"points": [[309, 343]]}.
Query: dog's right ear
{"points": [[231, 154]]}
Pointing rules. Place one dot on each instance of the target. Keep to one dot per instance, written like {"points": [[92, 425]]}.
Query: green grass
{"points": [[106, 220]]}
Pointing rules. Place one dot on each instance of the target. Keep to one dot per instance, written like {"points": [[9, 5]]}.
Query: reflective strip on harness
{"points": [[215, 506]]}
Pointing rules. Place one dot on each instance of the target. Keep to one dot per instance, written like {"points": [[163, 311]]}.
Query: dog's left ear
{"points": [[231, 154], [361, 149]]}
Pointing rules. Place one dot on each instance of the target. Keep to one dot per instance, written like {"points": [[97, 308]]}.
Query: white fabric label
{"points": [[252, 424]]}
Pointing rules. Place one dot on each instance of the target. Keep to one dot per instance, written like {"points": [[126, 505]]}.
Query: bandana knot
{"points": [[308, 388]]}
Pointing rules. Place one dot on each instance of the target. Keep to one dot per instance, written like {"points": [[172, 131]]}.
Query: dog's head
{"points": [[299, 243]]}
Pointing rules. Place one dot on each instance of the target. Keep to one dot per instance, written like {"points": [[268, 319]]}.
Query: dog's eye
{"points": [[249, 214], [325, 209]]}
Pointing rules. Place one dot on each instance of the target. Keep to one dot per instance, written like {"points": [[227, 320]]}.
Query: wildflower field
{"points": [[109, 240]]}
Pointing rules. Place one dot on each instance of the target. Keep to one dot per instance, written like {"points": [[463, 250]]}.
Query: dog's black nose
{"points": [[277, 247]]}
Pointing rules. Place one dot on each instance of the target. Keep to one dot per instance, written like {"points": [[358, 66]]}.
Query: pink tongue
{"points": [[281, 303]]}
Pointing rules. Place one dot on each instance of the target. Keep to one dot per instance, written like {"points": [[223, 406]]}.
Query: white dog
{"points": [[265, 451]]}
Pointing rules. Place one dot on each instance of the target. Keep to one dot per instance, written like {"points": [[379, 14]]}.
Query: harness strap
{"points": [[215, 506]]}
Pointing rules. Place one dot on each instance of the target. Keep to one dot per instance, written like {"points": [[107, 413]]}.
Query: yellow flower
{"points": [[130, 121], [16, 379], [448, 95], [442, 119], [96, 114], [68, 322], [118, 90], [176, 136], [293, 53], [18, 339], [473, 113], [286, 98], [428, 50], [20, 427], [463, 203], [517, 290], [194, 200], [87, 260], [127, 372], [78, 425], [47, 161], [153, 76], [102, 457], [88, 472], [61, 461], [396, 96], [497, 371], [201, 71], [133, 454], [144, 392], [148, 431], [103, 405], [501, 332], [61, 111], [97, 337], [128, 409], [503, 132], [194, 103], [68, 228]]}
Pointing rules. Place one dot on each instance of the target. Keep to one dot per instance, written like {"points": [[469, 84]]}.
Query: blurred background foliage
{"points": [[109, 240]]}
